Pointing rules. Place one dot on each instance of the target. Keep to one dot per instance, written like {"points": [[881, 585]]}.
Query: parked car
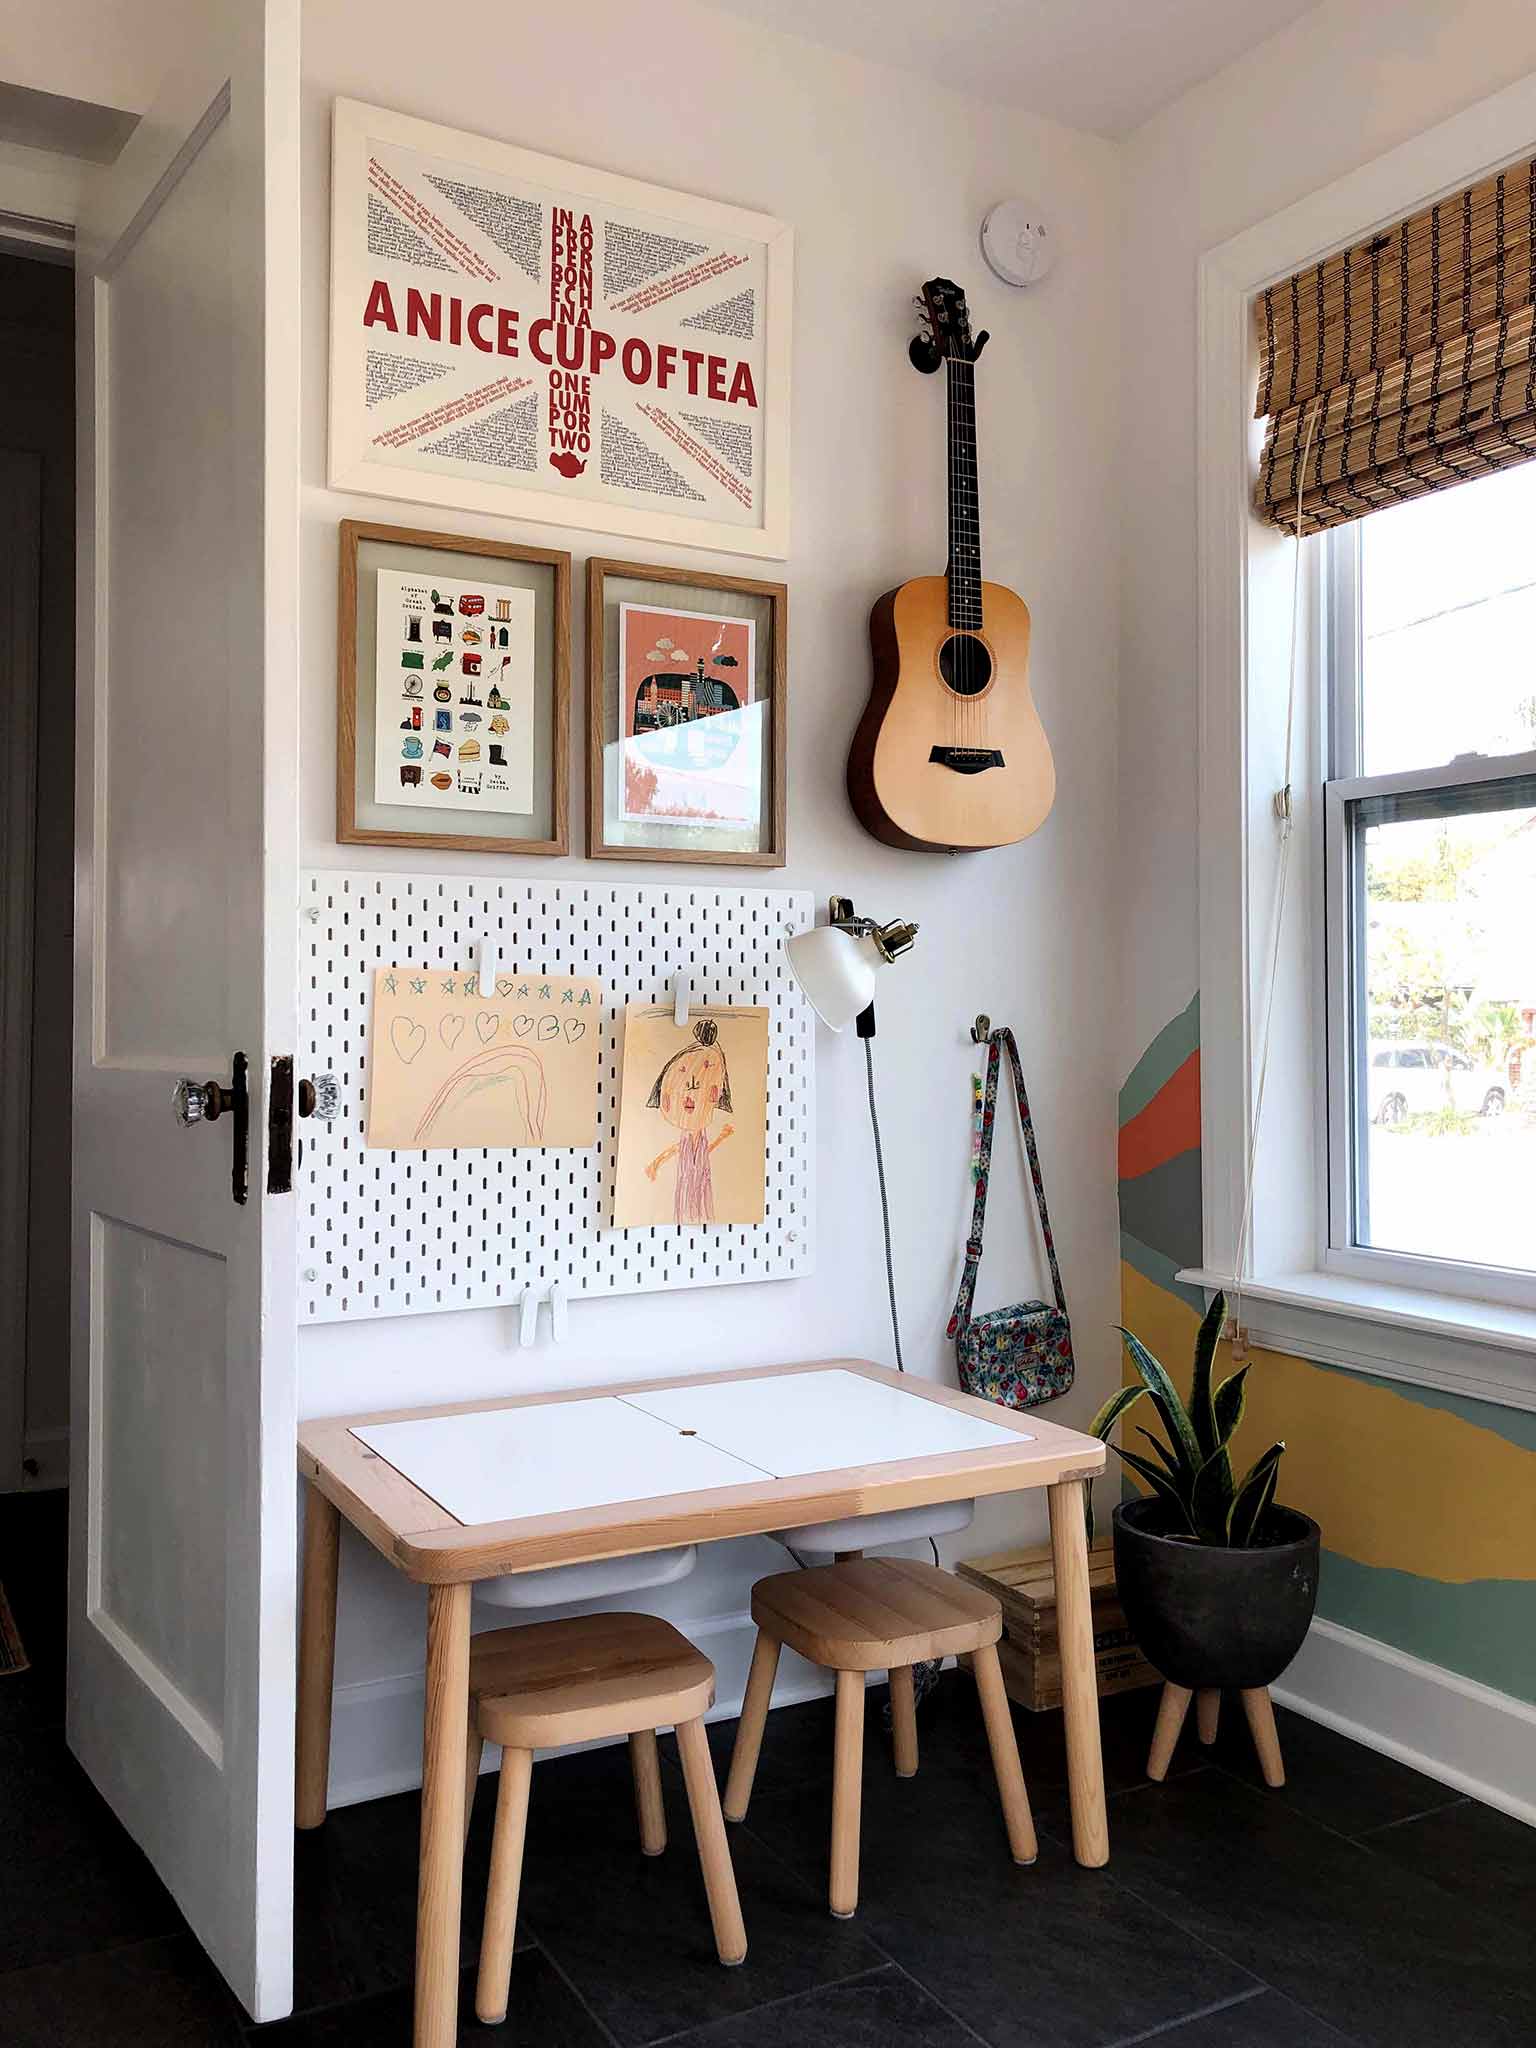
{"points": [[1408, 1080]]}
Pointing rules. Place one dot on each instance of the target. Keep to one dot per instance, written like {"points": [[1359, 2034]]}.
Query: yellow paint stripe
{"points": [[1391, 1481]]}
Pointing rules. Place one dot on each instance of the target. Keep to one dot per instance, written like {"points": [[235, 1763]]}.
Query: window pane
{"points": [[1448, 623], [1445, 1067]]}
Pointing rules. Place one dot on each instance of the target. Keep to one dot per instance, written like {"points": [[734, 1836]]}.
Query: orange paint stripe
{"points": [[1169, 1125]]}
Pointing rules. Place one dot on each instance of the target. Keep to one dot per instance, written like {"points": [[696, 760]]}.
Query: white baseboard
{"points": [[1466, 1735], [376, 1723]]}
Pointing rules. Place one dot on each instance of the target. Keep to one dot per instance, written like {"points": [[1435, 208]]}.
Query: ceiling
{"points": [[1102, 65]]}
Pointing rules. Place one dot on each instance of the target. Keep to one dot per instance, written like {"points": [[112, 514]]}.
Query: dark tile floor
{"points": [[1362, 1904]]}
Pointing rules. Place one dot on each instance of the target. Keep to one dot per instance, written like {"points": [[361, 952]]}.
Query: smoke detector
{"points": [[1017, 243]]}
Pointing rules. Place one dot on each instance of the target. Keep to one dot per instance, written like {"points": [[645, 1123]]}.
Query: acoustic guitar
{"points": [[950, 753]]}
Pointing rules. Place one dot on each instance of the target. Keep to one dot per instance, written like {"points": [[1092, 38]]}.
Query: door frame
{"points": [[18, 904]]}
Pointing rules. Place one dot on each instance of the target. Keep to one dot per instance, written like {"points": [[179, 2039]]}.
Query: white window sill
{"points": [[1479, 1349]]}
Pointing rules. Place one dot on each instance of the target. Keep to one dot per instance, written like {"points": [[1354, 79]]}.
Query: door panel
{"points": [[182, 1540], [174, 680]]}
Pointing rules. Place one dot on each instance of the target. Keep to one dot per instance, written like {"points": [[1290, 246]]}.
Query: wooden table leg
{"points": [[439, 1893], [1079, 1675], [317, 1658]]}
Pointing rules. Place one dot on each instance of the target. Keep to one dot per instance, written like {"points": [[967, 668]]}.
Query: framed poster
{"points": [[514, 334], [686, 716], [453, 692]]}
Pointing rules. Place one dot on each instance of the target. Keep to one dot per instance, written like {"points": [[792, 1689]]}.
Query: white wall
{"points": [[885, 180], [1335, 89]]}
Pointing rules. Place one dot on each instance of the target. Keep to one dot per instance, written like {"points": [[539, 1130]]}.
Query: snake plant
{"points": [[1192, 1471]]}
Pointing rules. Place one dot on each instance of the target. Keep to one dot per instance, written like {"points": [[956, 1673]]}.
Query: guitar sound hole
{"points": [[965, 664]]}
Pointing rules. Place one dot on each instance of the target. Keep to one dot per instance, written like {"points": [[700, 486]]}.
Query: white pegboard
{"points": [[405, 1233]]}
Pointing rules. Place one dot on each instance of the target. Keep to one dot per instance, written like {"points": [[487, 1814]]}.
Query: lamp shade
{"points": [[836, 972]]}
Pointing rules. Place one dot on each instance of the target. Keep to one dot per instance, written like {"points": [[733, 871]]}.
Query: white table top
{"points": [[553, 1458]]}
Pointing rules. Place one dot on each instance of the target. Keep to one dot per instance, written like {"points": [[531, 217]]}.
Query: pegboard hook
{"points": [[682, 996], [528, 1326], [486, 964], [557, 1313], [981, 1030]]}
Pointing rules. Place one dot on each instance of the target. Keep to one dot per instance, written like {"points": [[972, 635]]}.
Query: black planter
{"points": [[1210, 1617]]}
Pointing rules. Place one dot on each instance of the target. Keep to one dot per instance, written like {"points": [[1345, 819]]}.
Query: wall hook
{"points": [[981, 1030], [682, 996]]}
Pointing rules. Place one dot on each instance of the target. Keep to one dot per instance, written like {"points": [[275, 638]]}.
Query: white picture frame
{"points": [[455, 261]]}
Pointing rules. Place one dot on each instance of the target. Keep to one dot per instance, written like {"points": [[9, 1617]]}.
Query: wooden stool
{"points": [[876, 1614], [556, 1682], [1174, 1705]]}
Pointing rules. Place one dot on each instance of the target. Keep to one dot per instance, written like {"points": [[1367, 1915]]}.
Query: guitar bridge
{"points": [[966, 760]]}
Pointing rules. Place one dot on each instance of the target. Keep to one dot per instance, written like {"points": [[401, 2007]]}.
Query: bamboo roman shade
{"points": [[1408, 360]]}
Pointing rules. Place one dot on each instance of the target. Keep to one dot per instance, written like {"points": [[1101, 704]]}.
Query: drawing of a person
{"points": [[692, 1086]]}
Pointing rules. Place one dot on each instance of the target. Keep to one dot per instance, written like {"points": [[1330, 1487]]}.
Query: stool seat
{"points": [[873, 1613], [555, 1682]]}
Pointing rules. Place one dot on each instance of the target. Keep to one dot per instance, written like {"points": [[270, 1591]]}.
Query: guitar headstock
{"points": [[946, 335]]}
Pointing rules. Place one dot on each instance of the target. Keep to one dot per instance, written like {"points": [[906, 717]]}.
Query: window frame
{"points": [[1292, 1299], [1338, 686]]}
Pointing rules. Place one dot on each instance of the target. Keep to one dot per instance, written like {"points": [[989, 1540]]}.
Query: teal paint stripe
{"points": [[1157, 1267], [1161, 1060], [1517, 1426], [1485, 1629], [1161, 1208]]}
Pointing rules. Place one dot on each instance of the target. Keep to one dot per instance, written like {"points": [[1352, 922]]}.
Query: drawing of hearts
{"points": [[487, 1024], [452, 1030], [549, 1027], [522, 1026], [503, 987], [407, 1037], [575, 1027]]}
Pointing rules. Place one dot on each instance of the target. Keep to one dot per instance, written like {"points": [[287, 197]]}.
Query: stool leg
{"points": [[493, 1985], [1207, 1713], [749, 1729], [474, 1751], [714, 1851], [649, 1810], [847, 1785], [1172, 1708], [904, 1721], [1261, 1726], [1004, 1745]]}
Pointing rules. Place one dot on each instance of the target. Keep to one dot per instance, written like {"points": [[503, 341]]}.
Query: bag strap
{"points": [[1000, 1038]]}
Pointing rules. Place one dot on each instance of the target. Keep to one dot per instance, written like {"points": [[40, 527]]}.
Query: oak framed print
{"points": [[514, 334], [686, 719], [453, 686]]}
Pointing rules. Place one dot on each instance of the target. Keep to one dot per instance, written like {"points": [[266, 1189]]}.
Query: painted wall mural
{"points": [[1427, 1501]]}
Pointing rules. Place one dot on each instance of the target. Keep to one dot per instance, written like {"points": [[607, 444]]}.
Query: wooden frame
{"points": [[771, 854], [352, 534], [507, 339]]}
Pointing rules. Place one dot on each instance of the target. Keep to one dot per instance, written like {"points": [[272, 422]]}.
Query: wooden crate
{"points": [[1024, 1582]]}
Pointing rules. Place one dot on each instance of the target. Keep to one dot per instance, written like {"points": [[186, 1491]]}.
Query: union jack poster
{"points": [[514, 334]]}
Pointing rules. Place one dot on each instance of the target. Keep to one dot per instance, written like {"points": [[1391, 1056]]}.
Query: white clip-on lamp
{"points": [[837, 964]]}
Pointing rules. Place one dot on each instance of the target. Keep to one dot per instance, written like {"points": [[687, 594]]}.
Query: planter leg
{"points": [[1170, 1719], [1261, 1725], [1207, 1713]]}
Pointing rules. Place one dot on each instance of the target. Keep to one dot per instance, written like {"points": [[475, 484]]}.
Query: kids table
{"points": [[451, 1495]]}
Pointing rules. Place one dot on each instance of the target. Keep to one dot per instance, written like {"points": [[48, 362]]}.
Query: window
{"points": [[1430, 895]]}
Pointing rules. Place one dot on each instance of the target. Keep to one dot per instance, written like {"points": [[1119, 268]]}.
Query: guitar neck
{"points": [[964, 510]]}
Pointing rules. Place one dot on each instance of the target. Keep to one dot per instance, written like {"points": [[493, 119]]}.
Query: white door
{"points": [[183, 1508]]}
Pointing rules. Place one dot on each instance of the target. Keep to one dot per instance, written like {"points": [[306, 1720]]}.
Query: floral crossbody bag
{"points": [[1019, 1356]]}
